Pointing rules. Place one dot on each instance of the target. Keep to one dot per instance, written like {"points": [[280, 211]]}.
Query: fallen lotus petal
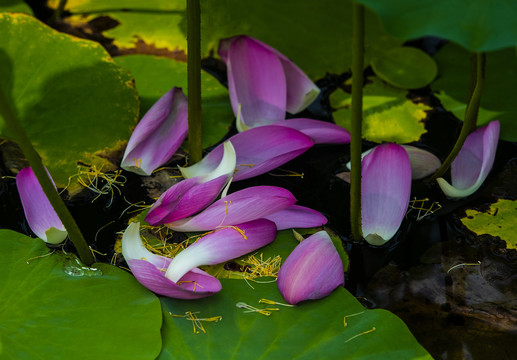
{"points": [[150, 269], [237, 208], [423, 163], [192, 195], [158, 135], [297, 216], [263, 83], [385, 190], [222, 245], [312, 271], [321, 132], [40, 214], [473, 163], [258, 150]]}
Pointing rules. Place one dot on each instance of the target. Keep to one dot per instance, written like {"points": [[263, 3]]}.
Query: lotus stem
{"points": [[21, 138], [58, 13], [195, 146], [469, 123], [357, 114]]}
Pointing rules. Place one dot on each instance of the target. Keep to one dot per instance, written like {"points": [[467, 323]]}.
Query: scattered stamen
{"points": [[423, 209], [287, 173], [361, 334], [271, 302], [464, 264], [249, 308], [188, 281], [40, 256], [197, 324], [351, 315]]}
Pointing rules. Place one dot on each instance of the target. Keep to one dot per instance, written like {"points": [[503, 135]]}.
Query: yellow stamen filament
{"points": [[423, 208], [351, 315], [258, 267], [271, 302], [138, 162], [249, 308], [287, 173], [464, 264], [40, 256], [197, 324], [361, 334]]}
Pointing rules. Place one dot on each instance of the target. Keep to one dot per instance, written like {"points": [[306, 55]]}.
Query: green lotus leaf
{"points": [[70, 97], [497, 103], [478, 25], [154, 76], [500, 220], [337, 326], [387, 114], [322, 46], [405, 67], [55, 308]]}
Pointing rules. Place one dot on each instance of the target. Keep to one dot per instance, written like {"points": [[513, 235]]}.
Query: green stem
{"points": [[195, 144], [356, 126], [58, 13], [34, 159], [469, 123]]}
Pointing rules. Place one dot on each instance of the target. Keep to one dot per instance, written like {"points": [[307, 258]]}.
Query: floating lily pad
{"points": [[387, 114], [500, 220], [478, 25], [154, 76], [311, 330], [15, 6], [301, 29], [54, 308], [497, 103], [70, 97], [405, 67]]}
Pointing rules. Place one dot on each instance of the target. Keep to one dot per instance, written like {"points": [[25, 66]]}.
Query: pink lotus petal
{"points": [[222, 245], [195, 284], [185, 199], [237, 208], [40, 215], [386, 186], [473, 163], [149, 269], [301, 91], [260, 150], [256, 82], [312, 271], [297, 217], [321, 132], [158, 135]]}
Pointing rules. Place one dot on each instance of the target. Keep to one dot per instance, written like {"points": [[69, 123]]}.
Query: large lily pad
{"points": [[53, 308], [478, 25], [500, 220], [154, 76], [311, 330], [314, 34], [388, 115], [497, 102], [70, 97]]}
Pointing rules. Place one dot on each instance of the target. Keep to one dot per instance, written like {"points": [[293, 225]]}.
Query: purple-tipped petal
{"points": [[209, 169], [149, 269], [158, 135], [473, 163], [237, 208], [40, 215], [256, 82], [192, 195], [297, 217], [312, 271], [222, 245], [321, 132], [301, 91], [385, 190], [260, 150], [423, 163]]}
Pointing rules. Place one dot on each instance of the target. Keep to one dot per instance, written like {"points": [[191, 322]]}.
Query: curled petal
{"points": [[40, 214], [209, 169], [385, 190], [256, 82], [321, 132], [297, 217], [312, 271], [158, 135], [260, 150], [237, 208], [149, 269], [221, 245], [192, 195], [473, 163], [301, 91]]}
